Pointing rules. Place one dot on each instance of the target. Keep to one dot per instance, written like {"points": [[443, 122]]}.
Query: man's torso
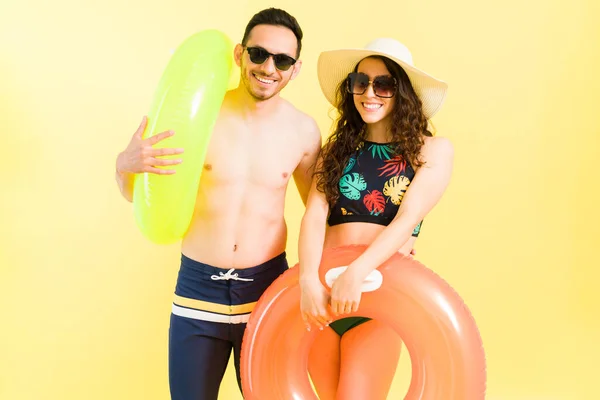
{"points": [[238, 220]]}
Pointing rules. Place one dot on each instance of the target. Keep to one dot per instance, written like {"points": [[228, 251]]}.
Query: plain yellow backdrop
{"points": [[85, 299]]}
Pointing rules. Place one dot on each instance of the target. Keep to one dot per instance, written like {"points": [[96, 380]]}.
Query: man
{"points": [[235, 246]]}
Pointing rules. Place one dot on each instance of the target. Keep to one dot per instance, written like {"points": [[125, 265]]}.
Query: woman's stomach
{"points": [[360, 233]]}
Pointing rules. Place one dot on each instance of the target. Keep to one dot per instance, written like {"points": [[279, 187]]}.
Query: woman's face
{"points": [[373, 90]]}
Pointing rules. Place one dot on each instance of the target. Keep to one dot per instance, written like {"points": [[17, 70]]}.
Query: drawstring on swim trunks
{"points": [[229, 275]]}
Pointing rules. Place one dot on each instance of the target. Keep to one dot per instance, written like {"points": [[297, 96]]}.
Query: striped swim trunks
{"points": [[211, 307]]}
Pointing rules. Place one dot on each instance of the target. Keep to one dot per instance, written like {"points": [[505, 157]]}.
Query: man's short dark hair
{"points": [[276, 17]]}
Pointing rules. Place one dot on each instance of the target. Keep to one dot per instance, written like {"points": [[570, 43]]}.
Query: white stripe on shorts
{"points": [[211, 317]]}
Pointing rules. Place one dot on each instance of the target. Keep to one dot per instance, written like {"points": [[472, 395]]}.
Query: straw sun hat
{"points": [[334, 66]]}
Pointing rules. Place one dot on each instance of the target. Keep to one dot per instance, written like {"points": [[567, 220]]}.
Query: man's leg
{"points": [[197, 362], [252, 283], [237, 337]]}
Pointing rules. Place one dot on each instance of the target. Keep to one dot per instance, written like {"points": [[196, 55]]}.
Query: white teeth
{"points": [[372, 106], [263, 80]]}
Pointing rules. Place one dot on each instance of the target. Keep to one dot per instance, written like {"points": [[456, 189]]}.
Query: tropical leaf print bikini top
{"points": [[372, 186]]}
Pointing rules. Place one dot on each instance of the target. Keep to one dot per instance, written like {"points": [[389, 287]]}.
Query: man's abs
{"points": [[236, 230]]}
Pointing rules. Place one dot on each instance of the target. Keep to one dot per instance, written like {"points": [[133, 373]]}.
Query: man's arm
{"points": [[140, 157], [311, 138], [125, 181]]}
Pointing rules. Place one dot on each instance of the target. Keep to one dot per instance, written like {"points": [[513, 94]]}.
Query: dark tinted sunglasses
{"points": [[258, 55], [383, 86]]}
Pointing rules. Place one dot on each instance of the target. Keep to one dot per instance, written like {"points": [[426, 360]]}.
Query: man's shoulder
{"points": [[304, 123]]}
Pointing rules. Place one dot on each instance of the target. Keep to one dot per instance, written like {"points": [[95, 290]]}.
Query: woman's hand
{"points": [[314, 300], [346, 293]]}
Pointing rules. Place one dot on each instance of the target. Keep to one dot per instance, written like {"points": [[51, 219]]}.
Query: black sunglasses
{"points": [[258, 55], [383, 85]]}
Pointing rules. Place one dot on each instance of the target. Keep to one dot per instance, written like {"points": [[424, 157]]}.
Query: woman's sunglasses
{"points": [[383, 86], [258, 55]]}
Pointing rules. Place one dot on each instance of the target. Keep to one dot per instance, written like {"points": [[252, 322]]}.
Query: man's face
{"points": [[263, 79]]}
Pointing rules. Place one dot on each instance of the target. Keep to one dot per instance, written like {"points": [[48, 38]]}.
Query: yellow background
{"points": [[85, 299]]}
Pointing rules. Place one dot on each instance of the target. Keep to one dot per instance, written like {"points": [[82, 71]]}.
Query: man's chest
{"points": [[265, 159]]}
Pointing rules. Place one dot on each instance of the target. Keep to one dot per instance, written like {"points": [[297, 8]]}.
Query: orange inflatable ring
{"points": [[445, 347]]}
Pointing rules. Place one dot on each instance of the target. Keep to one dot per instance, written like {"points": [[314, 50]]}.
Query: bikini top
{"points": [[372, 186]]}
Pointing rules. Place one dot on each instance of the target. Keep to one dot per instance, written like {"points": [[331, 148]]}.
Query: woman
{"points": [[378, 176]]}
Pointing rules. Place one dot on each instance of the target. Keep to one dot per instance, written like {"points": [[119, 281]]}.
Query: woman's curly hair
{"points": [[408, 127]]}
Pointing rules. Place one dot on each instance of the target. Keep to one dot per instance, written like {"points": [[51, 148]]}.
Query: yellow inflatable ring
{"points": [[187, 101]]}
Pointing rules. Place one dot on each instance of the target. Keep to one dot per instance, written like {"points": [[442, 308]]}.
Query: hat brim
{"points": [[334, 66]]}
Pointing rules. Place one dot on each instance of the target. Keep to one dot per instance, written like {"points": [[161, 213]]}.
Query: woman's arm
{"points": [[424, 192], [315, 297]]}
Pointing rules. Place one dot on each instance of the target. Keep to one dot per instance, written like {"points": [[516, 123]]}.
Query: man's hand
{"points": [[140, 156]]}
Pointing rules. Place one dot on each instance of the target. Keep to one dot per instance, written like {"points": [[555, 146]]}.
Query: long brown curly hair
{"points": [[408, 126]]}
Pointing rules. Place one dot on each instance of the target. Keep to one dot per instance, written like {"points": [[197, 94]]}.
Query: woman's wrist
{"points": [[309, 277]]}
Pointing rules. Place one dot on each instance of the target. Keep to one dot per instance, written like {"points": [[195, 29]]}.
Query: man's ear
{"points": [[238, 51]]}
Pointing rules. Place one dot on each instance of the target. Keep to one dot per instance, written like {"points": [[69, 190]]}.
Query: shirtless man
{"points": [[235, 246]]}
